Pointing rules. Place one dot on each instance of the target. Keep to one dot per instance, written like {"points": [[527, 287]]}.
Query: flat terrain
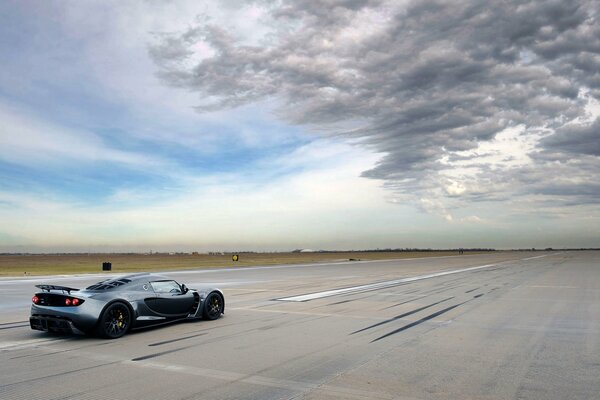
{"points": [[48, 264], [495, 326]]}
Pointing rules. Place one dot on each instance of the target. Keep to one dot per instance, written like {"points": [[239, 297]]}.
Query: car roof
{"points": [[119, 281], [145, 276]]}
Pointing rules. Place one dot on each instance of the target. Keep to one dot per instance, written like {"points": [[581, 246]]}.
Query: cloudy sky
{"points": [[275, 125]]}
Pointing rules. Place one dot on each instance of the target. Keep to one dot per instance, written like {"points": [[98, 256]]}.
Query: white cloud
{"points": [[25, 139], [455, 188], [472, 218]]}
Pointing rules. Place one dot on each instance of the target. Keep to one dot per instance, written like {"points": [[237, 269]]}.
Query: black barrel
{"points": [[106, 266]]}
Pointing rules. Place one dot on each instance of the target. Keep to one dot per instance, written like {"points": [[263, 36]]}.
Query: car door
{"points": [[170, 300]]}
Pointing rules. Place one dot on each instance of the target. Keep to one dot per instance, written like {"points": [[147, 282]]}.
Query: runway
{"points": [[512, 325]]}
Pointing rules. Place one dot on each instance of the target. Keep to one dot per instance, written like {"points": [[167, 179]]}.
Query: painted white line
{"points": [[386, 284], [533, 258], [373, 286]]}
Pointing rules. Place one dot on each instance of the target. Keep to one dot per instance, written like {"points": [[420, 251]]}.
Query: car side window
{"points": [[166, 287]]}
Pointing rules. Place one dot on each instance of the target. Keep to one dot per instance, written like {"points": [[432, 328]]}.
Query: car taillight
{"points": [[72, 301], [35, 299]]}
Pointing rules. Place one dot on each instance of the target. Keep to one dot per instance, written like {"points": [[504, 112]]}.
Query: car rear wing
{"points": [[48, 288]]}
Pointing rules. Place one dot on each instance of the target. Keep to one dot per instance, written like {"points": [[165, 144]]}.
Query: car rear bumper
{"points": [[48, 323]]}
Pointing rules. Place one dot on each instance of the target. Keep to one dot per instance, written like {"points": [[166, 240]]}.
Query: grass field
{"points": [[49, 264]]}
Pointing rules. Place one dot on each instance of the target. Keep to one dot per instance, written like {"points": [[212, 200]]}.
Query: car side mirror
{"points": [[184, 288]]}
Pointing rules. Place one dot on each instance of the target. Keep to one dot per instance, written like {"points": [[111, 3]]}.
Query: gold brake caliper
{"points": [[120, 323]]}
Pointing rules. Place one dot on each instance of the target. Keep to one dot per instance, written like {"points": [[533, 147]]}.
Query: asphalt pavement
{"points": [[499, 326]]}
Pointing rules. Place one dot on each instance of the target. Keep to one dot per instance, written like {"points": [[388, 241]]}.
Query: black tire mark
{"points": [[12, 327], [401, 316], [404, 302], [411, 291], [343, 301], [338, 302], [69, 372], [62, 351], [11, 323], [178, 339], [217, 339], [162, 353], [427, 318], [439, 290]]}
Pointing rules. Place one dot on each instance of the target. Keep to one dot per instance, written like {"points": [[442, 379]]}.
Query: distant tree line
{"points": [[388, 250]]}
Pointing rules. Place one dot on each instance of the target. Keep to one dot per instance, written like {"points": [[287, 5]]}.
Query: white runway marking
{"points": [[383, 285]]}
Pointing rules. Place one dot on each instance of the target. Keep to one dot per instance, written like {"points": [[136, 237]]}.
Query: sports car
{"points": [[112, 307]]}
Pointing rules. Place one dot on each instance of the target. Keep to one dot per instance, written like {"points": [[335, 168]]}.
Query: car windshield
{"points": [[166, 287]]}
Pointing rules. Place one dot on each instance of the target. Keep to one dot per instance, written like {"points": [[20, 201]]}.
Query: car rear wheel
{"points": [[213, 306], [115, 321]]}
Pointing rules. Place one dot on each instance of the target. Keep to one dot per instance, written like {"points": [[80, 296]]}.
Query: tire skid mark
{"points": [[427, 318], [439, 290], [216, 339], [424, 319], [260, 380], [406, 314], [24, 344], [70, 372], [178, 339], [403, 281], [60, 351], [14, 326], [411, 291], [344, 301], [328, 315], [338, 302], [162, 353], [472, 290], [404, 302], [12, 323]]}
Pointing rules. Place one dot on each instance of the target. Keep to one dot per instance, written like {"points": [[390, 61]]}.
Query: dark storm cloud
{"points": [[415, 82], [576, 139]]}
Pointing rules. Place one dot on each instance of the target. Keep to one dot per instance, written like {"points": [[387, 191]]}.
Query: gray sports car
{"points": [[112, 307]]}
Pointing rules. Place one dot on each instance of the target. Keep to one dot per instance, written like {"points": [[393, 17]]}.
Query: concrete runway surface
{"points": [[511, 326]]}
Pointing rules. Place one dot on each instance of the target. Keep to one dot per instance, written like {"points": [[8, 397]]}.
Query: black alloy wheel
{"points": [[213, 306], [115, 321]]}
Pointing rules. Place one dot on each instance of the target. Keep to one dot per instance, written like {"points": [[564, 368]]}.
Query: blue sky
{"points": [[274, 126]]}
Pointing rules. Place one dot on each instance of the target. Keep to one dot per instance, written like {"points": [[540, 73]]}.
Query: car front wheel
{"points": [[213, 306]]}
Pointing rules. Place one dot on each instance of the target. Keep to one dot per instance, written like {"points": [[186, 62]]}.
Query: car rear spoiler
{"points": [[48, 288]]}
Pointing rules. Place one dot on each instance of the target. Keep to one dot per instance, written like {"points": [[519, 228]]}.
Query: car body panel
{"points": [[136, 291]]}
